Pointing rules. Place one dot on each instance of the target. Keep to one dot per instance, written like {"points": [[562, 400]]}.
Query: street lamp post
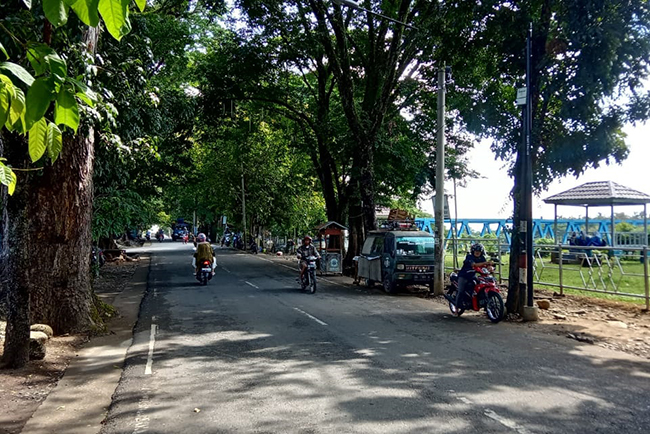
{"points": [[439, 266]]}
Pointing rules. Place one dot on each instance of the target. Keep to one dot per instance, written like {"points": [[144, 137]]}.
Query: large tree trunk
{"points": [[46, 244], [60, 212], [14, 258], [515, 302]]}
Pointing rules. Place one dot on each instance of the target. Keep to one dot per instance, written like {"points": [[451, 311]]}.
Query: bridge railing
{"points": [[605, 270]]}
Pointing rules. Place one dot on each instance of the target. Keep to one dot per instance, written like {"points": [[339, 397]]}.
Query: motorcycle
{"points": [[160, 237], [309, 276], [186, 238], [204, 272], [253, 247], [486, 295]]}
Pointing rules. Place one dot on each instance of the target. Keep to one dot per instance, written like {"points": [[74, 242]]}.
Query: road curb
{"points": [[80, 401]]}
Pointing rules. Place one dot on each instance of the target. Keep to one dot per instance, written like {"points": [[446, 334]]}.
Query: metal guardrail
{"points": [[605, 270]]}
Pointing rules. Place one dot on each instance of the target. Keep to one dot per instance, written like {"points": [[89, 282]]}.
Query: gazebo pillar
{"points": [[613, 231]]}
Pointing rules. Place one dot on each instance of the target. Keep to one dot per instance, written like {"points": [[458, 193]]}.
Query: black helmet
{"points": [[477, 247]]}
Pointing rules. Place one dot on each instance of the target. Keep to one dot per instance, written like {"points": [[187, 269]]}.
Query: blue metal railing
{"points": [[542, 228]]}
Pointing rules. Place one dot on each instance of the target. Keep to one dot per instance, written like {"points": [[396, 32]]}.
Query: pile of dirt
{"points": [[23, 390], [617, 325]]}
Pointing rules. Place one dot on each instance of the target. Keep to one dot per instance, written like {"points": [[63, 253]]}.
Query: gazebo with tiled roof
{"points": [[601, 193]]}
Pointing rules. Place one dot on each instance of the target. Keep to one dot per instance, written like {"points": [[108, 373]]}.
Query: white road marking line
{"points": [[254, 286], [152, 341], [225, 269], [311, 316], [506, 422], [263, 259], [142, 420], [465, 400]]}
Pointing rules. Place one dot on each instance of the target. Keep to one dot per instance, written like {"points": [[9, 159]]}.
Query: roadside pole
{"points": [[439, 266], [526, 206], [243, 205]]}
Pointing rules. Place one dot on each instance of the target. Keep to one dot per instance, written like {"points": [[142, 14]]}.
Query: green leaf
{"points": [[58, 67], [2, 48], [5, 102], [12, 184], [56, 12], [54, 141], [39, 96], [17, 106], [82, 96], [18, 71], [89, 95], [115, 15], [35, 57], [38, 140], [86, 10], [141, 4], [5, 174], [7, 177], [66, 110]]}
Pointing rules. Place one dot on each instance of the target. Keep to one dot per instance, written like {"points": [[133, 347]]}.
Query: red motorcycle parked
{"points": [[486, 295]]}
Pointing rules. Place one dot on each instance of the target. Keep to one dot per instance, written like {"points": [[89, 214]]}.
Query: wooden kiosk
{"points": [[330, 244]]}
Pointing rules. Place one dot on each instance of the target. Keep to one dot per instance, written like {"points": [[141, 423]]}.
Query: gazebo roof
{"points": [[601, 193]]}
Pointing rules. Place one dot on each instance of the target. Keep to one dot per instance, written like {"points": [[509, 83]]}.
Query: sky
{"points": [[489, 197]]}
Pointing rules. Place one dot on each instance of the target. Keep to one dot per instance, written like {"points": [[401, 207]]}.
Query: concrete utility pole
{"points": [[439, 270], [526, 205], [243, 204]]}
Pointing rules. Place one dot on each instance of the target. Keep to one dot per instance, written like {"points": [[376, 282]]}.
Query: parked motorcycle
{"points": [[486, 295], [309, 276], [204, 272], [253, 247], [160, 237]]}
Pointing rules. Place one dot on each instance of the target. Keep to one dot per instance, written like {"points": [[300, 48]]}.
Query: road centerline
{"points": [[251, 284], [506, 422], [311, 316]]}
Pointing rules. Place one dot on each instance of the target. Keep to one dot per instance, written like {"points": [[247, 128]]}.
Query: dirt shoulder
{"points": [[615, 325], [23, 390]]}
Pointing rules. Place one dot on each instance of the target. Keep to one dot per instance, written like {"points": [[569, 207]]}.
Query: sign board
{"points": [[521, 96], [223, 220]]}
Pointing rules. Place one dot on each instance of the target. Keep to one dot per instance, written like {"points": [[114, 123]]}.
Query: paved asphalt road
{"points": [[250, 353]]}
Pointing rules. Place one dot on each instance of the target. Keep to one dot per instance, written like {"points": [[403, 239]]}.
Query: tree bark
{"points": [[514, 301], [60, 212], [14, 259], [47, 241]]}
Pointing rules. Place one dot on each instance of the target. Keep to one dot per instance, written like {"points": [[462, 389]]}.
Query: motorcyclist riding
{"points": [[304, 251], [466, 275], [203, 253]]}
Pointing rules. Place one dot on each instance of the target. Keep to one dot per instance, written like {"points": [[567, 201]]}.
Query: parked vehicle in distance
{"points": [[397, 258]]}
